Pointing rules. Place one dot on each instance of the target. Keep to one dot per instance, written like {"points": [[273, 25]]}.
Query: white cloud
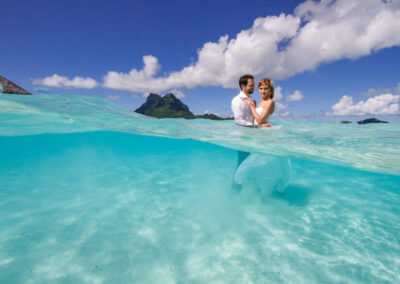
{"points": [[385, 104], [57, 81], [206, 111], [318, 32], [296, 96], [42, 89], [373, 92], [113, 97], [178, 93], [135, 80], [278, 46], [278, 93], [281, 109]]}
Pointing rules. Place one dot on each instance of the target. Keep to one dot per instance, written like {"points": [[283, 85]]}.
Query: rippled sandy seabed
{"points": [[90, 192]]}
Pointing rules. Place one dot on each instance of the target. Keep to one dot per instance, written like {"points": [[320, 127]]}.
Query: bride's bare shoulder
{"points": [[267, 103]]}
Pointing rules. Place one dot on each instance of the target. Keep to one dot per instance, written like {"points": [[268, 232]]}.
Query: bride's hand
{"points": [[248, 102], [265, 125]]}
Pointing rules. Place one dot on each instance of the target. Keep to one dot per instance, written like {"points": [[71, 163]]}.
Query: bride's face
{"points": [[265, 91]]}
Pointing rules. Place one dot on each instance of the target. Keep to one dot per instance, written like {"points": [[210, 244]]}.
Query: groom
{"points": [[241, 111], [242, 114]]}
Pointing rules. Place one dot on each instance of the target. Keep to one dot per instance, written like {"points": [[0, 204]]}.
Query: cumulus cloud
{"points": [[113, 97], [278, 93], [178, 93], [281, 109], [373, 92], [385, 104], [57, 81], [296, 96], [42, 89], [277, 46], [135, 80], [317, 32]]}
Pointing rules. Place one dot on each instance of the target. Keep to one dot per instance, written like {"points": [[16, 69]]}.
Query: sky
{"points": [[329, 59]]}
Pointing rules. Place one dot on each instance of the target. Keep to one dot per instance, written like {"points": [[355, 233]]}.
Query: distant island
{"points": [[9, 87], [169, 106], [366, 121], [371, 120]]}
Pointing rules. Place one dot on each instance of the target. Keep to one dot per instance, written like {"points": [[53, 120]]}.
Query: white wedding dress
{"points": [[259, 111], [264, 173]]}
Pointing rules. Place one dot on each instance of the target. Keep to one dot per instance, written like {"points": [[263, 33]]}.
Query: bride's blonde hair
{"points": [[267, 82]]}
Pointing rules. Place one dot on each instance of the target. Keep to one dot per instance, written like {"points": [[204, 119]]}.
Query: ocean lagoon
{"points": [[92, 192]]}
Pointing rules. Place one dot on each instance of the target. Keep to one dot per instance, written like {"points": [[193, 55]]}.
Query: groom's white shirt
{"points": [[241, 111]]}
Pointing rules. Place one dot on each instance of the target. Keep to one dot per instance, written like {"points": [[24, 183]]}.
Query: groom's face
{"points": [[249, 89]]}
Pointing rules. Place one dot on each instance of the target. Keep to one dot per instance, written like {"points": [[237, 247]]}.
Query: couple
{"points": [[244, 106]]}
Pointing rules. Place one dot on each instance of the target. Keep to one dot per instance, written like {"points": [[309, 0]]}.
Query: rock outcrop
{"points": [[10, 88], [169, 106], [151, 100], [371, 120]]}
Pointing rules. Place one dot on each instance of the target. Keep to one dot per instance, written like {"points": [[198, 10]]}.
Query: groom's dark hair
{"points": [[243, 80]]}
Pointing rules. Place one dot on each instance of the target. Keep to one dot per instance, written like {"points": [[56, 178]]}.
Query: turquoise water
{"points": [[91, 192]]}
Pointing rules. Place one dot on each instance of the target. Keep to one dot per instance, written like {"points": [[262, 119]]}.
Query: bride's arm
{"points": [[253, 111], [267, 110]]}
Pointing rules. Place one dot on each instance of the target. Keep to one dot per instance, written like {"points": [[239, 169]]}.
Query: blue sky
{"points": [[327, 58]]}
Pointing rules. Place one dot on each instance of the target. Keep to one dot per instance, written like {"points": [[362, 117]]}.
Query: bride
{"points": [[267, 104]]}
